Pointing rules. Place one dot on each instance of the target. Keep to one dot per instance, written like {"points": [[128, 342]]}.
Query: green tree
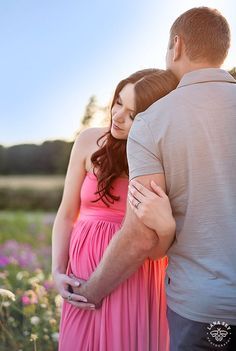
{"points": [[233, 72], [90, 110]]}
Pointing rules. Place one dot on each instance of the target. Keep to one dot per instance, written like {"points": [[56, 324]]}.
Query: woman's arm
{"points": [[154, 210], [68, 213]]}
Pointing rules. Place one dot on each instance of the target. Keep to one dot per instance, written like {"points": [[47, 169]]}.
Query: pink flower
{"points": [[25, 300], [29, 298]]}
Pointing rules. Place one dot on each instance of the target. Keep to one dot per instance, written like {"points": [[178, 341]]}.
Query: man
{"points": [[186, 143]]}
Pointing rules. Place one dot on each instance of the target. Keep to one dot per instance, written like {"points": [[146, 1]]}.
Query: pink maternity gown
{"points": [[133, 317]]}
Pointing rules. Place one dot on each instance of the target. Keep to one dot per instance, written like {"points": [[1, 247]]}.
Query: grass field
{"points": [[39, 182], [34, 192]]}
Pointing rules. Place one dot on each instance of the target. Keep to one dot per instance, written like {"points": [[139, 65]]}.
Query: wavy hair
{"points": [[110, 160]]}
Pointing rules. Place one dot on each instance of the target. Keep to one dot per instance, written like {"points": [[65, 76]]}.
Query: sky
{"points": [[56, 54]]}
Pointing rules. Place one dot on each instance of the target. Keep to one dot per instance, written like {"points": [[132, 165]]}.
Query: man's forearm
{"points": [[124, 255], [164, 242]]}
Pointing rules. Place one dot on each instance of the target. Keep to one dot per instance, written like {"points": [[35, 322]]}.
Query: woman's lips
{"points": [[116, 127]]}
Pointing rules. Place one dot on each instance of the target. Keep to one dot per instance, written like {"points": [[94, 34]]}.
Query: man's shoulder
{"points": [[165, 101], [162, 108]]}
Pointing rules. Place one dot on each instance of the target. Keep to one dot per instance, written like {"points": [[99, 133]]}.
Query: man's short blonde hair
{"points": [[205, 33]]}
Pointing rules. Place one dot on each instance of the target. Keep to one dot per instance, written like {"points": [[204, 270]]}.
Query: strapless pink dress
{"points": [[133, 317]]}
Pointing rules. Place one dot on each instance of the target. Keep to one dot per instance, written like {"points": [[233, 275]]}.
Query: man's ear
{"points": [[177, 47]]}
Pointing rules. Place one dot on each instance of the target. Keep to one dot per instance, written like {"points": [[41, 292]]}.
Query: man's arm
{"points": [[128, 249]]}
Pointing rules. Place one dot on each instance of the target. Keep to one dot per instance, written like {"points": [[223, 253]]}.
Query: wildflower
{"points": [[25, 300], [29, 297], [11, 319], [19, 276], [35, 320], [40, 290], [33, 337], [52, 321], [58, 300], [43, 305], [20, 254], [8, 294], [48, 284], [22, 274], [13, 261], [4, 274], [48, 315], [39, 274], [33, 280], [4, 261], [55, 336]]}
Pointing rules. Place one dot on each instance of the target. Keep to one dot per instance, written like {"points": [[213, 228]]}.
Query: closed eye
{"points": [[118, 101], [131, 117]]}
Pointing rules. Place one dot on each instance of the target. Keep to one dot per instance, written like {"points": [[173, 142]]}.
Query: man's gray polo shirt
{"points": [[190, 136]]}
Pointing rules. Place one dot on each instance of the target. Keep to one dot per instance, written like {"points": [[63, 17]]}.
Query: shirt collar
{"points": [[206, 75]]}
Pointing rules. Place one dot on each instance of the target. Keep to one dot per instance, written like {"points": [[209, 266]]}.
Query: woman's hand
{"points": [[65, 285], [152, 207]]}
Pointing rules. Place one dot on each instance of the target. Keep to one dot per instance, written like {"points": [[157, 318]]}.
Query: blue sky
{"points": [[56, 54]]}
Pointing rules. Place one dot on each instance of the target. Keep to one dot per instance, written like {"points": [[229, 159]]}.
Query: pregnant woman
{"points": [[133, 317]]}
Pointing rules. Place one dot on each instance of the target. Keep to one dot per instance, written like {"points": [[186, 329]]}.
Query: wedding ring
{"points": [[69, 297]]}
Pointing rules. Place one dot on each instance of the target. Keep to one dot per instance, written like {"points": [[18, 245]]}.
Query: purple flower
{"points": [[4, 261], [48, 284], [20, 253]]}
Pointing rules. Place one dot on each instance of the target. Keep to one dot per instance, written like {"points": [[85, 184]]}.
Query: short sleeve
{"points": [[142, 150]]}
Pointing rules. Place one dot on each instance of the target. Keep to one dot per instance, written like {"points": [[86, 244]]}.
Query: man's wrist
{"points": [[85, 291], [167, 230]]}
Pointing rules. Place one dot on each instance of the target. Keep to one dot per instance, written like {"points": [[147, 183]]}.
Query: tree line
{"points": [[51, 157]]}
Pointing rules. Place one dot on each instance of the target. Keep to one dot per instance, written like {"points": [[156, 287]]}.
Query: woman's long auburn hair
{"points": [[110, 160]]}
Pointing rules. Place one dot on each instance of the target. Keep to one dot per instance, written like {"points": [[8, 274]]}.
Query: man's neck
{"points": [[192, 66]]}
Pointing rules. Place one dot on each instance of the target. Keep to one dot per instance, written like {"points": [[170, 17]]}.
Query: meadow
{"points": [[41, 182], [29, 304], [37, 192]]}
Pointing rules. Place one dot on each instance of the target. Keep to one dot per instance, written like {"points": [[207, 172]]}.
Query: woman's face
{"points": [[122, 112]]}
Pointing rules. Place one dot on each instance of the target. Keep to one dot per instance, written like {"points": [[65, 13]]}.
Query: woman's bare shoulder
{"points": [[86, 141], [93, 133]]}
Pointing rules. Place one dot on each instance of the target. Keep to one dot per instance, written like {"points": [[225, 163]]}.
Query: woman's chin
{"points": [[118, 135]]}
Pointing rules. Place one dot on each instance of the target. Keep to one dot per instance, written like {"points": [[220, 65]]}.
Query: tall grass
{"points": [[30, 192]]}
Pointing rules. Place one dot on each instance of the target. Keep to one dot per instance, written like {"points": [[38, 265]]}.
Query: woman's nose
{"points": [[119, 116]]}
